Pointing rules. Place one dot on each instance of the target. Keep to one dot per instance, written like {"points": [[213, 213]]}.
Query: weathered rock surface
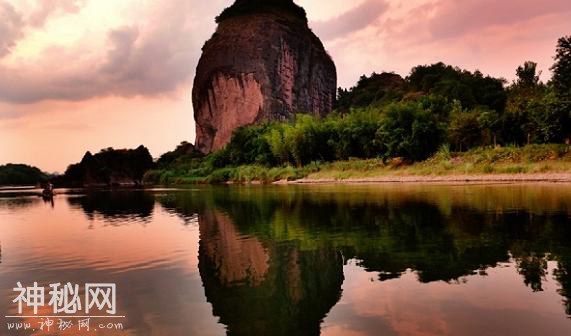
{"points": [[263, 63]]}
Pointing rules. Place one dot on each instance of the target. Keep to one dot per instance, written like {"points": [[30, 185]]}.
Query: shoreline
{"points": [[442, 179]]}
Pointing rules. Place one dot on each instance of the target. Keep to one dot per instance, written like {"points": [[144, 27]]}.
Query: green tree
{"points": [[546, 119], [516, 125], [278, 145], [249, 145], [562, 82], [464, 130], [471, 89], [489, 121], [562, 68], [409, 131]]}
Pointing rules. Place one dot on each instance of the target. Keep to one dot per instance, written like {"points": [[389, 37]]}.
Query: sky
{"points": [[79, 75]]}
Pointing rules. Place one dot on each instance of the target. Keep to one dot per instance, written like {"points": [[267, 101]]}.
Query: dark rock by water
{"points": [[110, 167]]}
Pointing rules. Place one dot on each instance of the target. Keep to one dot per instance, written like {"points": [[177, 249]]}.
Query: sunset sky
{"points": [[78, 75]]}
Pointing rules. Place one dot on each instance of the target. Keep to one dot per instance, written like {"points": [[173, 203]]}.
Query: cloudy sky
{"points": [[79, 75]]}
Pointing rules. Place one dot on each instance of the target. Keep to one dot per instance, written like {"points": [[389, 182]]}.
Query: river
{"points": [[295, 260]]}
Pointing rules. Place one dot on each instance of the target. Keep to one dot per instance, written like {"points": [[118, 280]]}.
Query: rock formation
{"points": [[263, 63], [109, 167]]}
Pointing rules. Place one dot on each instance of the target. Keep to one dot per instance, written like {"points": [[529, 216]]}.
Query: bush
{"points": [[220, 176], [464, 131], [409, 131]]}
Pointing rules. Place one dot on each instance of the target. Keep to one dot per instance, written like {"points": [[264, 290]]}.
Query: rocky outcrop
{"points": [[109, 167], [263, 63]]}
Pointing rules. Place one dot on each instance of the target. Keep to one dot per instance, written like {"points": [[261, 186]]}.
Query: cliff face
{"points": [[263, 63]]}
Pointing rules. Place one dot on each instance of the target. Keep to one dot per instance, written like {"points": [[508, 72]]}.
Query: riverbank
{"points": [[446, 179], [534, 163]]}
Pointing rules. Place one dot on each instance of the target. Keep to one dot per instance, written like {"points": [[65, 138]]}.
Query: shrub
{"points": [[409, 131]]}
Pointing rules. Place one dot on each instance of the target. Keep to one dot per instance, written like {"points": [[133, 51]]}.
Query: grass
{"points": [[479, 161]]}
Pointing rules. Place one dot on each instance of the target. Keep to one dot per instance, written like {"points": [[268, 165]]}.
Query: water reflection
{"points": [[117, 205], [308, 260], [266, 288], [450, 238], [19, 203]]}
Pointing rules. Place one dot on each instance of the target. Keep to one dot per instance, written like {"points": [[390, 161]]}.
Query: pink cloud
{"points": [[456, 18], [11, 28], [148, 62], [353, 20], [487, 35]]}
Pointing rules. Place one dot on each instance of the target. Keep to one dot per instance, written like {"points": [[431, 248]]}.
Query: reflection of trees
{"points": [[387, 233], [563, 275], [533, 269], [530, 265], [19, 203], [115, 204]]}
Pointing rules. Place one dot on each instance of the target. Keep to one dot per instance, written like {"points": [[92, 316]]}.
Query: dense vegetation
{"points": [[21, 175], [109, 167], [386, 117], [242, 7]]}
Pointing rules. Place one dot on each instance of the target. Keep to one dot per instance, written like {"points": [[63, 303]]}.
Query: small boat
{"points": [[47, 193]]}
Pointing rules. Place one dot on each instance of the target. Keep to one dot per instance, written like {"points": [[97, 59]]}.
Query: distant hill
{"points": [[109, 167], [21, 174]]}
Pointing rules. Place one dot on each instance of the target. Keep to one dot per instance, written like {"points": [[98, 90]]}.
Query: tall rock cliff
{"points": [[263, 63]]}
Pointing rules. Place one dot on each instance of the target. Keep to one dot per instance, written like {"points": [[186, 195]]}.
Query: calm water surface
{"points": [[335, 260]]}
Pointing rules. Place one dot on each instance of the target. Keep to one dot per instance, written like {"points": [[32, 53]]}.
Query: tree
{"points": [[562, 82], [562, 69], [278, 144], [526, 91], [489, 122], [471, 89], [409, 131], [378, 89], [464, 131], [249, 145], [546, 120], [184, 151], [527, 75], [20, 174]]}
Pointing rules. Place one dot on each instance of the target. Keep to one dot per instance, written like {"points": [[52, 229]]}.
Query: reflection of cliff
{"points": [[440, 238], [273, 290], [115, 204], [234, 258]]}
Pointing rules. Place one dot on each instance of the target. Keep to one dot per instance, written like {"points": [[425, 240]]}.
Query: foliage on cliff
{"points": [[243, 7], [20, 174]]}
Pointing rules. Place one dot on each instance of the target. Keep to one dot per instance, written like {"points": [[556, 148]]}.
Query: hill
{"points": [[20, 174]]}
